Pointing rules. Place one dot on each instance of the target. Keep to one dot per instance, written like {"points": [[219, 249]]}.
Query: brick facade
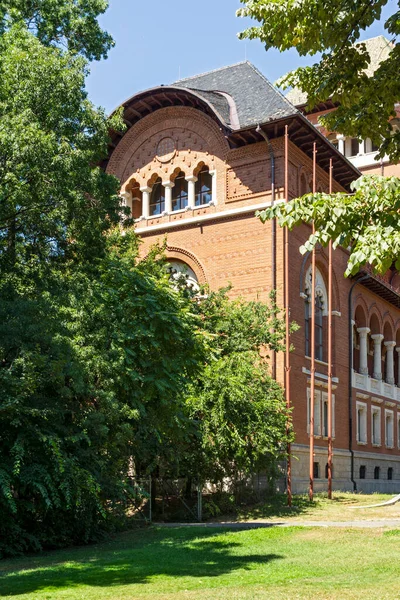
{"points": [[224, 243]]}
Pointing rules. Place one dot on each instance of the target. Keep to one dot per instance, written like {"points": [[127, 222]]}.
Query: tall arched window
{"points": [[157, 199], [180, 192], [203, 189], [321, 306]]}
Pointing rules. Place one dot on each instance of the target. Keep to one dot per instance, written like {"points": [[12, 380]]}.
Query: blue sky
{"points": [[158, 41]]}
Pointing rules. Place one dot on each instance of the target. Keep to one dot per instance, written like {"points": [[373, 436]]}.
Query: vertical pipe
{"points": [[312, 386], [273, 227], [330, 443], [287, 317]]}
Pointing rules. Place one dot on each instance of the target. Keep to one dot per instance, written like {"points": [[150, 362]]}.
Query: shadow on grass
{"points": [[133, 558], [277, 507]]}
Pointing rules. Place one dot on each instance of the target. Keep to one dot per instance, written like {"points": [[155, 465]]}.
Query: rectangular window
{"points": [[361, 413], [389, 428], [376, 425], [317, 412]]}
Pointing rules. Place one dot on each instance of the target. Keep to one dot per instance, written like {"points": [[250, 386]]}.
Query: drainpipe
{"points": [[273, 233], [350, 339]]}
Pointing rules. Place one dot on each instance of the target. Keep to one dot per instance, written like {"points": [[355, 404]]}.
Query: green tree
{"points": [[94, 348], [69, 24], [239, 409], [366, 101], [93, 371]]}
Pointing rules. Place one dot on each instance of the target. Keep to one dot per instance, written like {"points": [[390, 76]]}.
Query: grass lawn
{"points": [[322, 509], [192, 563]]}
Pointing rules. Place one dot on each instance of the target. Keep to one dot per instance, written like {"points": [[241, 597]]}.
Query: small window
{"points": [[316, 470], [327, 471], [157, 199], [363, 472], [203, 189], [361, 423], [180, 192], [377, 473], [389, 428], [376, 426], [390, 473]]}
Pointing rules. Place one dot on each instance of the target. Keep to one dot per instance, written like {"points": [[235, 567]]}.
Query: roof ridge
{"points": [[242, 62]]}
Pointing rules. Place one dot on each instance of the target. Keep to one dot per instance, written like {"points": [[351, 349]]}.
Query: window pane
{"points": [[180, 193], [203, 188], [157, 200]]}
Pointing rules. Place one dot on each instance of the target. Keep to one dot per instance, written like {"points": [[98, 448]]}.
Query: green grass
{"points": [[341, 508], [192, 563]]}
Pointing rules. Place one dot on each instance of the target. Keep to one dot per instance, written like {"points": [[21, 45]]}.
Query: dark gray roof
{"points": [[255, 98], [218, 101]]}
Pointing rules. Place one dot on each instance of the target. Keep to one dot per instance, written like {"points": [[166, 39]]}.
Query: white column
{"points": [[213, 187], [191, 179], [377, 337], [168, 185], [363, 332], [146, 191], [390, 361], [361, 147], [341, 140], [398, 371]]}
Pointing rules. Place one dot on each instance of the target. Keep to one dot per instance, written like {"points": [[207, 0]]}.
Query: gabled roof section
{"points": [[377, 47], [255, 98]]}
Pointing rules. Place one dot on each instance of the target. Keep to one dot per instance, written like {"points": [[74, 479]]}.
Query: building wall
{"points": [[224, 243]]}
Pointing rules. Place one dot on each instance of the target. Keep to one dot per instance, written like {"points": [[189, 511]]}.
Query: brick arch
{"points": [[200, 165], [186, 125], [359, 302], [190, 259], [388, 327], [375, 322]]}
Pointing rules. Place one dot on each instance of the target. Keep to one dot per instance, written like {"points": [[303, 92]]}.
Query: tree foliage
{"points": [[69, 24], [366, 101], [239, 409], [366, 222], [93, 371]]}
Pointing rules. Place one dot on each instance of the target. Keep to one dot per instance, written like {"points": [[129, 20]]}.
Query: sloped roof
{"points": [[377, 47], [256, 100]]}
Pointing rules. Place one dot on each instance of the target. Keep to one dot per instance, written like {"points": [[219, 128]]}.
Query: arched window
{"points": [[376, 473], [321, 306], [327, 471], [180, 192], [157, 199], [363, 471], [181, 273], [203, 189], [390, 473]]}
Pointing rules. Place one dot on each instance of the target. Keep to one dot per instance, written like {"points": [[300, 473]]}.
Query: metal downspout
{"points": [[273, 232], [350, 341]]}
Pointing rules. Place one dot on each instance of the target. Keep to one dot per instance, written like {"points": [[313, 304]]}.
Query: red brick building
{"points": [[198, 158]]}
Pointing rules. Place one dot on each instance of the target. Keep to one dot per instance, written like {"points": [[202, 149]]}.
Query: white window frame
{"points": [[376, 440], [389, 440], [361, 439]]}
